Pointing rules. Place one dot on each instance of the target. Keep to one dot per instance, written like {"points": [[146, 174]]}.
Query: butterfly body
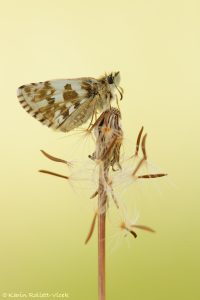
{"points": [[64, 104]]}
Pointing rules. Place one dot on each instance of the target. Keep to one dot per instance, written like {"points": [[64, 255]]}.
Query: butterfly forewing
{"points": [[62, 104]]}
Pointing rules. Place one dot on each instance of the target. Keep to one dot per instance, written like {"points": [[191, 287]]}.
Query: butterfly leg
{"points": [[94, 112]]}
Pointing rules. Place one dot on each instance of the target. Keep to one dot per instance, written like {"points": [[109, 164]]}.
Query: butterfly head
{"points": [[113, 79]]}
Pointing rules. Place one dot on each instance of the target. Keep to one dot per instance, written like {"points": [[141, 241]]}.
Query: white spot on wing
{"points": [[71, 109], [68, 104], [82, 101], [19, 92], [57, 113], [59, 119]]}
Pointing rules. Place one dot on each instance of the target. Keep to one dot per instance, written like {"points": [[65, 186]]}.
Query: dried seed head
{"points": [[108, 134]]}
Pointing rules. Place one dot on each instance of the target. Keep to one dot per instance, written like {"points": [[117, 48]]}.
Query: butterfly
{"points": [[64, 104]]}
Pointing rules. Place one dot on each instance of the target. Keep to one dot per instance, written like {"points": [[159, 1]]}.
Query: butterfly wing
{"points": [[61, 104]]}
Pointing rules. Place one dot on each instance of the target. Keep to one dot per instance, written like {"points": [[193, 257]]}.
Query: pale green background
{"points": [[43, 221]]}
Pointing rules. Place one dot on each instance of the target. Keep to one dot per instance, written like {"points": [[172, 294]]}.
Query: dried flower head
{"points": [[112, 171]]}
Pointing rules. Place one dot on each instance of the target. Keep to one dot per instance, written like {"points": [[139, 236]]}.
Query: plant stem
{"points": [[102, 199], [101, 254], [108, 136]]}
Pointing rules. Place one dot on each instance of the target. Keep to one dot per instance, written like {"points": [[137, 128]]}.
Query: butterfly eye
{"points": [[110, 79]]}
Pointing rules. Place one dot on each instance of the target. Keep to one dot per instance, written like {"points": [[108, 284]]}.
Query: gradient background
{"points": [[43, 221]]}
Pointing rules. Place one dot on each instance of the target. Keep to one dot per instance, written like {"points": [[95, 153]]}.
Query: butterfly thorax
{"points": [[99, 90]]}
